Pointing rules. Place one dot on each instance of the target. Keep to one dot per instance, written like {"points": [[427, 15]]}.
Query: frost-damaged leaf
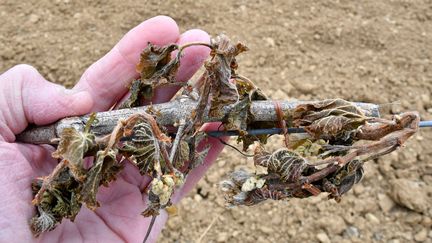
{"points": [[156, 67], [311, 110], [346, 177], [334, 127], [42, 223], [240, 118], [283, 162], [72, 148], [57, 201], [199, 158], [236, 118], [137, 93], [154, 58], [141, 143], [182, 155], [102, 172], [329, 119], [218, 74]]}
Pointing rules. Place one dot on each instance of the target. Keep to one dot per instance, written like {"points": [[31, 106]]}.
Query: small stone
{"points": [[279, 95], [426, 222], [221, 163], [377, 236], [33, 18], [222, 237], [197, 198], [394, 241], [410, 195], [323, 237], [334, 225], [425, 99], [385, 166], [359, 189], [338, 32], [421, 235], [270, 41], [304, 86], [385, 202], [372, 218], [413, 218], [266, 230], [351, 232]]}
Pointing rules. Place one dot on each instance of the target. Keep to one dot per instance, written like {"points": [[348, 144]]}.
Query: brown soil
{"points": [[373, 51]]}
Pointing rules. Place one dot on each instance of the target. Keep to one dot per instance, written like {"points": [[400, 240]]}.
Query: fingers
{"points": [[107, 79], [26, 97], [192, 59]]}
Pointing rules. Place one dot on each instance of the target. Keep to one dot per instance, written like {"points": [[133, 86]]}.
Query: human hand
{"points": [[26, 97]]}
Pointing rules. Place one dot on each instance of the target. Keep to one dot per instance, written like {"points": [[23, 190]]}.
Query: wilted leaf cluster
{"points": [[327, 158]]}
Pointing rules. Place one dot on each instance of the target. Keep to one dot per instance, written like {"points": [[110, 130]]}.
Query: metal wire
{"points": [[269, 131]]}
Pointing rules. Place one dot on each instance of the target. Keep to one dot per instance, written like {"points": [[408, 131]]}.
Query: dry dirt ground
{"points": [[372, 51]]}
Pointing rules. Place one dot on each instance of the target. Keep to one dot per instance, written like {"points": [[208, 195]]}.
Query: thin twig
{"points": [[207, 230]]}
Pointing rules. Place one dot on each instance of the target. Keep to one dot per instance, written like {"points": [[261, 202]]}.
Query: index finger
{"points": [[108, 78]]}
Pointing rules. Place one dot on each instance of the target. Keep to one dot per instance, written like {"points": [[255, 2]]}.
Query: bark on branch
{"points": [[166, 114]]}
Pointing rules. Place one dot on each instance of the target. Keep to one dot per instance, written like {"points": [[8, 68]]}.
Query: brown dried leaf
{"points": [[350, 174], [100, 172], [219, 71], [199, 158], [154, 58], [141, 141], [72, 148], [329, 119], [283, 162], [334, 127]]}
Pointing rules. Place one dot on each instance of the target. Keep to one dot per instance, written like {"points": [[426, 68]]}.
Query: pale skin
{"points": [[26, 97]]}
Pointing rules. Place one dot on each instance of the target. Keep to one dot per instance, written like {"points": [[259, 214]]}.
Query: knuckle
{"points": [[24, 68]]}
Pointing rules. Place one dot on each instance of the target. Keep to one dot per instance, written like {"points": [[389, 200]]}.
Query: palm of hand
{"points": [[25, 97], [118, 219]]}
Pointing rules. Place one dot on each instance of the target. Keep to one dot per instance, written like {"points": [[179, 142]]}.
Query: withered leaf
{"points": [[199, 158], [137, 93], [141, 143], [218, 74], [329, 119], [154, 58], [332, 105], [334, 127], [347, 176], [237, 117], [42, 223], [182, 155], [72, 148], [97, 175], [287, 164], [240, 118]]}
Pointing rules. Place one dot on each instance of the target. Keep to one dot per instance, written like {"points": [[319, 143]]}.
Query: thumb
{"points": [[26, 97]]}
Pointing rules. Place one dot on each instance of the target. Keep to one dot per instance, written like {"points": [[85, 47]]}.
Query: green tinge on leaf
{"points": [[97, 173], [72, 148]]}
